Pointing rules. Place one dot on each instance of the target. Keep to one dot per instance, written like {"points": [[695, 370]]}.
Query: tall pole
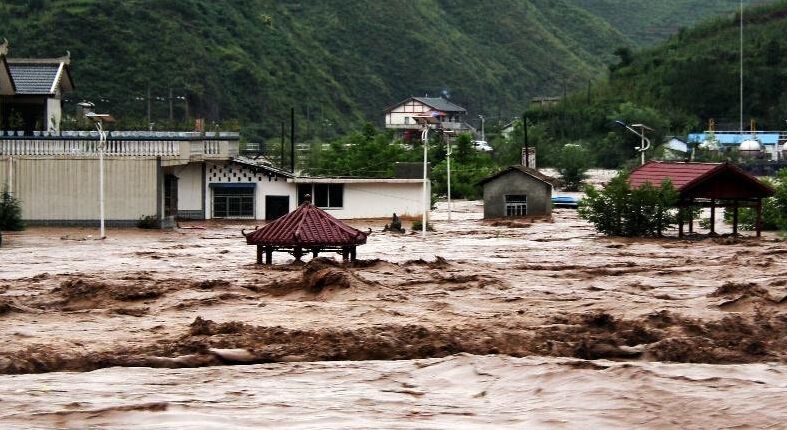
{"points": [[171, 116], [483, 136], [642, 145], [10, 182], [292, 140], [281, 159], [741, 98], [425, 140], [448, 160], [527, 144], [148, 99], [102, 137]]}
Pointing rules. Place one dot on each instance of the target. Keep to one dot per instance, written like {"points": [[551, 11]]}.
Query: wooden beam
{"points": [[735, 218], [759, 218], [259, 254], [268, 255], [681, 212], [713, 216]]}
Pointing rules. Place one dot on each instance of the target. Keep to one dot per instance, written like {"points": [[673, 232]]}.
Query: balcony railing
{"points": [[183, 146]]}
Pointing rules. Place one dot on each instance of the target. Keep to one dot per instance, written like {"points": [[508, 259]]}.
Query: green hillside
{"points": [[245, 62]]}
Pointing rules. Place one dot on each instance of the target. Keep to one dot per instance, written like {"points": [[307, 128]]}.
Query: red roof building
{"points": [[307, 228], [706, 185]]}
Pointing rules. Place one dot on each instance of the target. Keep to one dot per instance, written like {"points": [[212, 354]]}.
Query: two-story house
{"points": [[399, 117]]}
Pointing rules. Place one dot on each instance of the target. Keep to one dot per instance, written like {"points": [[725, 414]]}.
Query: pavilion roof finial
{"points": [[4, 47]]}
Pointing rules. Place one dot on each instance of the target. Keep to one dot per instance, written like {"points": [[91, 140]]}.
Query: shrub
{"points": [[417, 225], [618, 210], [572, 166], [774, 209], [10, 213], [148, 222]]}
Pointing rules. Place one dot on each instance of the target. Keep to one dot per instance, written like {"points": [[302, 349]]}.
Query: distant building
{"points": [[544, 102], [31, 92], [400, 116], [507, 129], [516, 192], [759, 144]]}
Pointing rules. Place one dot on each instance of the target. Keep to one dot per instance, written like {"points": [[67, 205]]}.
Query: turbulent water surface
{"points": [[482, 325]]}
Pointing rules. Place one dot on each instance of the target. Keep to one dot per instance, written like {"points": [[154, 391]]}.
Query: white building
{"points": [[400, 116], [182, 175]]}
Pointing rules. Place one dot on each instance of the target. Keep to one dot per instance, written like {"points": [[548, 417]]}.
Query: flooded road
{"points": [[492, 324]]}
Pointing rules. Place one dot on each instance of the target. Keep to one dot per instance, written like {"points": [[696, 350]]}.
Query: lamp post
{"points": [[644, 141], [425, 120], [99, 119], [447, 135]]}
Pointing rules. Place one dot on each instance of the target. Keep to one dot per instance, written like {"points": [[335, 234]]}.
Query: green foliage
{"points": [[618, 210], [774, 209], [148, 222], [572, 166], [10, 213], [418, 225]]}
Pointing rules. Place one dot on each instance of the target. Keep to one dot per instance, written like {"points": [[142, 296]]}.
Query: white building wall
{"points": [[63, 189], [398, 114], [53, 114], [189, 186], [265, 185], [381, 200]]}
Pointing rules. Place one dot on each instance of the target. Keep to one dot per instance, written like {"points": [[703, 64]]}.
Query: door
{"points": [[276, 207], [170, 195]]}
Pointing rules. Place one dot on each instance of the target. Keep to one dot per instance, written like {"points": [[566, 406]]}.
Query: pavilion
{"points": [[706, 185], [306, 229]]}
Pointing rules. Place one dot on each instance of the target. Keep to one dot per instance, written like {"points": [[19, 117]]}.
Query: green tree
{"points": [[573, 165], [10, 213]]}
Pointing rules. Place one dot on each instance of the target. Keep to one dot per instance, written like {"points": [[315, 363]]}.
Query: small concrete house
{"points": [[517, 191]]}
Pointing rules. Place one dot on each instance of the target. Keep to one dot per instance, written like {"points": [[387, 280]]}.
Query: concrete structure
{"points": [[400, 116], [517, 192], [180, 175], [31, 91], [769, 142]]}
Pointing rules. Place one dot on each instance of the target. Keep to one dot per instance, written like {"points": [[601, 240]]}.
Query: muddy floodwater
{"points": [[488, 325]]}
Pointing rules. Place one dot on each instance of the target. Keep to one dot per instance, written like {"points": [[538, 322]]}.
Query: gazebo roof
{"points": [[704, 180], [306, 226]]}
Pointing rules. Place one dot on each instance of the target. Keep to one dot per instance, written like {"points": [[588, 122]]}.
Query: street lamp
{"points": [[425, 120], [447, 134], [641, 133], [99, 119]]}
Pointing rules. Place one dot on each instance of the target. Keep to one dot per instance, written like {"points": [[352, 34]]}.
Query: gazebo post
{"points": [[712, 216], [680, 220], [268, 255], [315, 252], [353, 253], [735, 218], [345, 253], [298, 253], [259, 254], [759, 217]]}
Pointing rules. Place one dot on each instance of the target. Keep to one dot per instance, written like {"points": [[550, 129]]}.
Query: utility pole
{"points": [[527, 144], [148, 99], [292, 140], [483, 137], [171, 117], [281, 159]]}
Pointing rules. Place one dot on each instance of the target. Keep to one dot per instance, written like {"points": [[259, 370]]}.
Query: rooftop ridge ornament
{"points": [[4, 47]]}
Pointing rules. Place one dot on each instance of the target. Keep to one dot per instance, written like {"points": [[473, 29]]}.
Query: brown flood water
{"points": [[489, 325]]}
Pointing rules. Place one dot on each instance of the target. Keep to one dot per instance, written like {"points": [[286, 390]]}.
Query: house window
{"points": [[325, 196], [516, 205], [233, 202], [407, 120]]}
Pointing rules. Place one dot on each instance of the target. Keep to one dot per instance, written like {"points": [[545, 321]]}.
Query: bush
{"points": [[148, 222], [572, 166], [774, 209], [10, 213], [417, 225], [618, 210]]}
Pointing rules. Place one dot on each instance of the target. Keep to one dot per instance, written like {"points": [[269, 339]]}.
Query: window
{"points": [[407, 120], [326, 196], [516, 205], [233, 202]]}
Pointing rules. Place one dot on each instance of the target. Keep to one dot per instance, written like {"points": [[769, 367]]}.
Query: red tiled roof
{"points": [[306, 226], [681, 174]]}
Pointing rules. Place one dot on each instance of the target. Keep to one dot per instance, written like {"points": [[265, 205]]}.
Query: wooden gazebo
{"points": [[706, 185], [307, 229]]}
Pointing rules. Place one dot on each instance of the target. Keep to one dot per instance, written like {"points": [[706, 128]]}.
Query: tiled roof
{"points": [[681, 174], [33, 78], [306, 226], [440, 104], [526, 170]]}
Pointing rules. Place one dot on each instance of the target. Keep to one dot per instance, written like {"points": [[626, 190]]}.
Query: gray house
{"points": [[517, 191]]}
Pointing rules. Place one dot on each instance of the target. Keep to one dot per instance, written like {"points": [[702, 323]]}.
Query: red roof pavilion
{"points": [[306, 228], [706, 184]]}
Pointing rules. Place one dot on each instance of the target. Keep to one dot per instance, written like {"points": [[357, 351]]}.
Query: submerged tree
{"points": [[572, 166], [619, 210], [10, 213]]}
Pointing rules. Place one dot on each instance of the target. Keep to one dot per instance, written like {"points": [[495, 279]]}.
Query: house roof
{"points": [[733, 139], [40, 76], [306, 226], [526, 170], [261, 163], [686, 177], [436, 103]]}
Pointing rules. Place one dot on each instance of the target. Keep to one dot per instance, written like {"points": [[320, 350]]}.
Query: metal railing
{"points": [[183, 145]]}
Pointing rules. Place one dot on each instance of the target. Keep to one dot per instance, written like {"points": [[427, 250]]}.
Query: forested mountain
{"points": [[338, 62]]}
